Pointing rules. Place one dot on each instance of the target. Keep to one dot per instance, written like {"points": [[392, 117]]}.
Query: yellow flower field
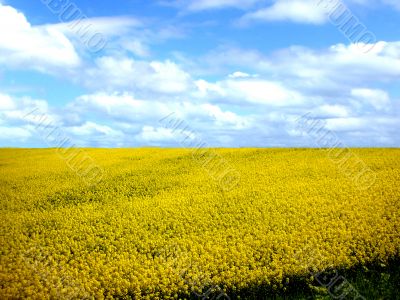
{"points": [[158, 226]]}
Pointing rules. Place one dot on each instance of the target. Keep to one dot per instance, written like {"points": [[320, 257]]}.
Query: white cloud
{"points": [[335, 110], [286, 85], [259, 91], [362, 124], [126, 108], [168, 77], [239, 74], [224, 118], [109, 26], [155, 76], [233, 57], [38, 47], [118, 35], [120, 106], [91, 128], [284, 9], [263, 92], [299, 11], [24, 110], [205, 88], [108, 34], [53, 48], [305, 11], [337, 66], [10, 134], [6, 103], [150, 134], [201, 5], [137, 47], [379, 99], [120, 119]]}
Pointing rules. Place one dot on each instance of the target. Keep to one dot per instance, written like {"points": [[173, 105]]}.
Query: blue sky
{"points": [[239, 73]]}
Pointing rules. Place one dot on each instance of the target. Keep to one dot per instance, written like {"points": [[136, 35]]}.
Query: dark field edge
{"points": [[373, 281]]}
